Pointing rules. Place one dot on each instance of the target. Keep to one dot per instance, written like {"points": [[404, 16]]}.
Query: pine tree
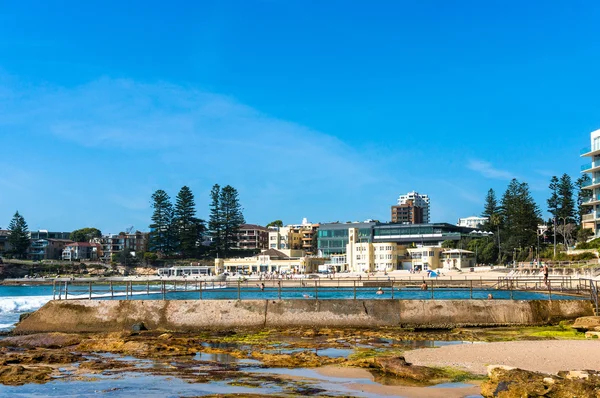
{"points": [[188, 228], [566, 204], [215, 222], [18, 238], [161, 229], [520, 217], [553, 201], [232, 217], [491, 204], [583, 195]]}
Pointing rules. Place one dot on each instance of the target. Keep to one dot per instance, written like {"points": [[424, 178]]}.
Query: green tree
{"points": [[18, 238], [188, 228], [566, 203], [161, 229], [583, 195], [520, 216], [553, 201], [490, 209], [276, 223], [85, 234], [232, 216], [215, 222]]}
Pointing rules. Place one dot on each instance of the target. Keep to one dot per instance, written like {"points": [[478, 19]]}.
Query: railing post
{"points": [[54, 289], [66, 289], [354, 289], [392, 287], [279, 290], [147, 287], [90, 290], [164, 290], [239, 289], [471, 290], [200, 290], [432, 283], [112, 294]]}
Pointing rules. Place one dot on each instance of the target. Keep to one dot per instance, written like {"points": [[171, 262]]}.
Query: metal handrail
{"points": [[317, 289]]}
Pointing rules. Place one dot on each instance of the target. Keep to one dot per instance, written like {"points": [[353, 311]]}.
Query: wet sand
{"points": [[546, 356], [403, 391]]}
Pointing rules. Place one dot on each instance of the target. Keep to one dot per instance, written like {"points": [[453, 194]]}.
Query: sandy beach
{"points": [[546, 356]]}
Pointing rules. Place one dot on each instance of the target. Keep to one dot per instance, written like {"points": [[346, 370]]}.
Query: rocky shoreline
{"points": [[40, 358]]}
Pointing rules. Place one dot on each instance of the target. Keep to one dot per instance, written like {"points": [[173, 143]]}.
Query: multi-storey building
{"points": [[45, 234], [418, 200], [294, 237], [333, 237], [591, 220], [407, 213], [4, 245], [112, 244], [252, 236], [472, 222], [81, 251], [47, 249]]}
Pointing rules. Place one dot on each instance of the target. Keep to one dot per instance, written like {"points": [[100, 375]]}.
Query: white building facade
{"points": [[419, 200], [591, 220], [472, 222]]}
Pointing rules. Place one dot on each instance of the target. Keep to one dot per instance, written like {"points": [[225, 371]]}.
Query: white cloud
{"points": [[487, 170]]}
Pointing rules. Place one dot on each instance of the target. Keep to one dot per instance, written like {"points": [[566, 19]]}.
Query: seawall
{"points": [[192, 315]]}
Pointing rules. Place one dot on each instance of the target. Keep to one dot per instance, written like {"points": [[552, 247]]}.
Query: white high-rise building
{"points": [[418, 200]]}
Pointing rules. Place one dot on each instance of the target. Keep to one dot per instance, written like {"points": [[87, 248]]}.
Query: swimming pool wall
{"points": [[193, 315]]}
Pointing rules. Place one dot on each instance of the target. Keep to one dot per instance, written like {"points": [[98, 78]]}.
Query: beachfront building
{"points": [[294, 237], [81, 251], [4, 245], [472, 222], [417, 200], [334, 237], [112, 244], [187, 271], [45, 234], [47, 249], [458, 259], [251, 237], [591, 220], [270, 261]]}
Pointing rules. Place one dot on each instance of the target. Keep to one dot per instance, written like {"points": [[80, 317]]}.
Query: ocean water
{"points": [[16, 300]]}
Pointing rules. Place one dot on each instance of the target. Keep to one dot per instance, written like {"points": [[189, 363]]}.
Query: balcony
{"points": [[591, 185], [590, 168], [591, 202], [590, 151], [588, 217]]}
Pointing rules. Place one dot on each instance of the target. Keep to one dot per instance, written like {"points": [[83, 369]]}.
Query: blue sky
{"points": [[321, 109]]}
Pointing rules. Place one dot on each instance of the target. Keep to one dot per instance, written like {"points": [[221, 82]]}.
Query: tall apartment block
{"points": [[407, 213], [417, 200], [591, 220]]}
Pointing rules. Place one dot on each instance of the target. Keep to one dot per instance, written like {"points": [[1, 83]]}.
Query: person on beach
{"points": [[379, 291], [261, 286], [424, 286]]}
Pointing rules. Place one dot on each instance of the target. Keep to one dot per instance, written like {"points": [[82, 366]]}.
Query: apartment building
{"points": [[294, 237], [4, 245], [407, 213], [251, 236], [47, 249], [591, 220], [472, 222], [418, 200], [81, 251]]}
